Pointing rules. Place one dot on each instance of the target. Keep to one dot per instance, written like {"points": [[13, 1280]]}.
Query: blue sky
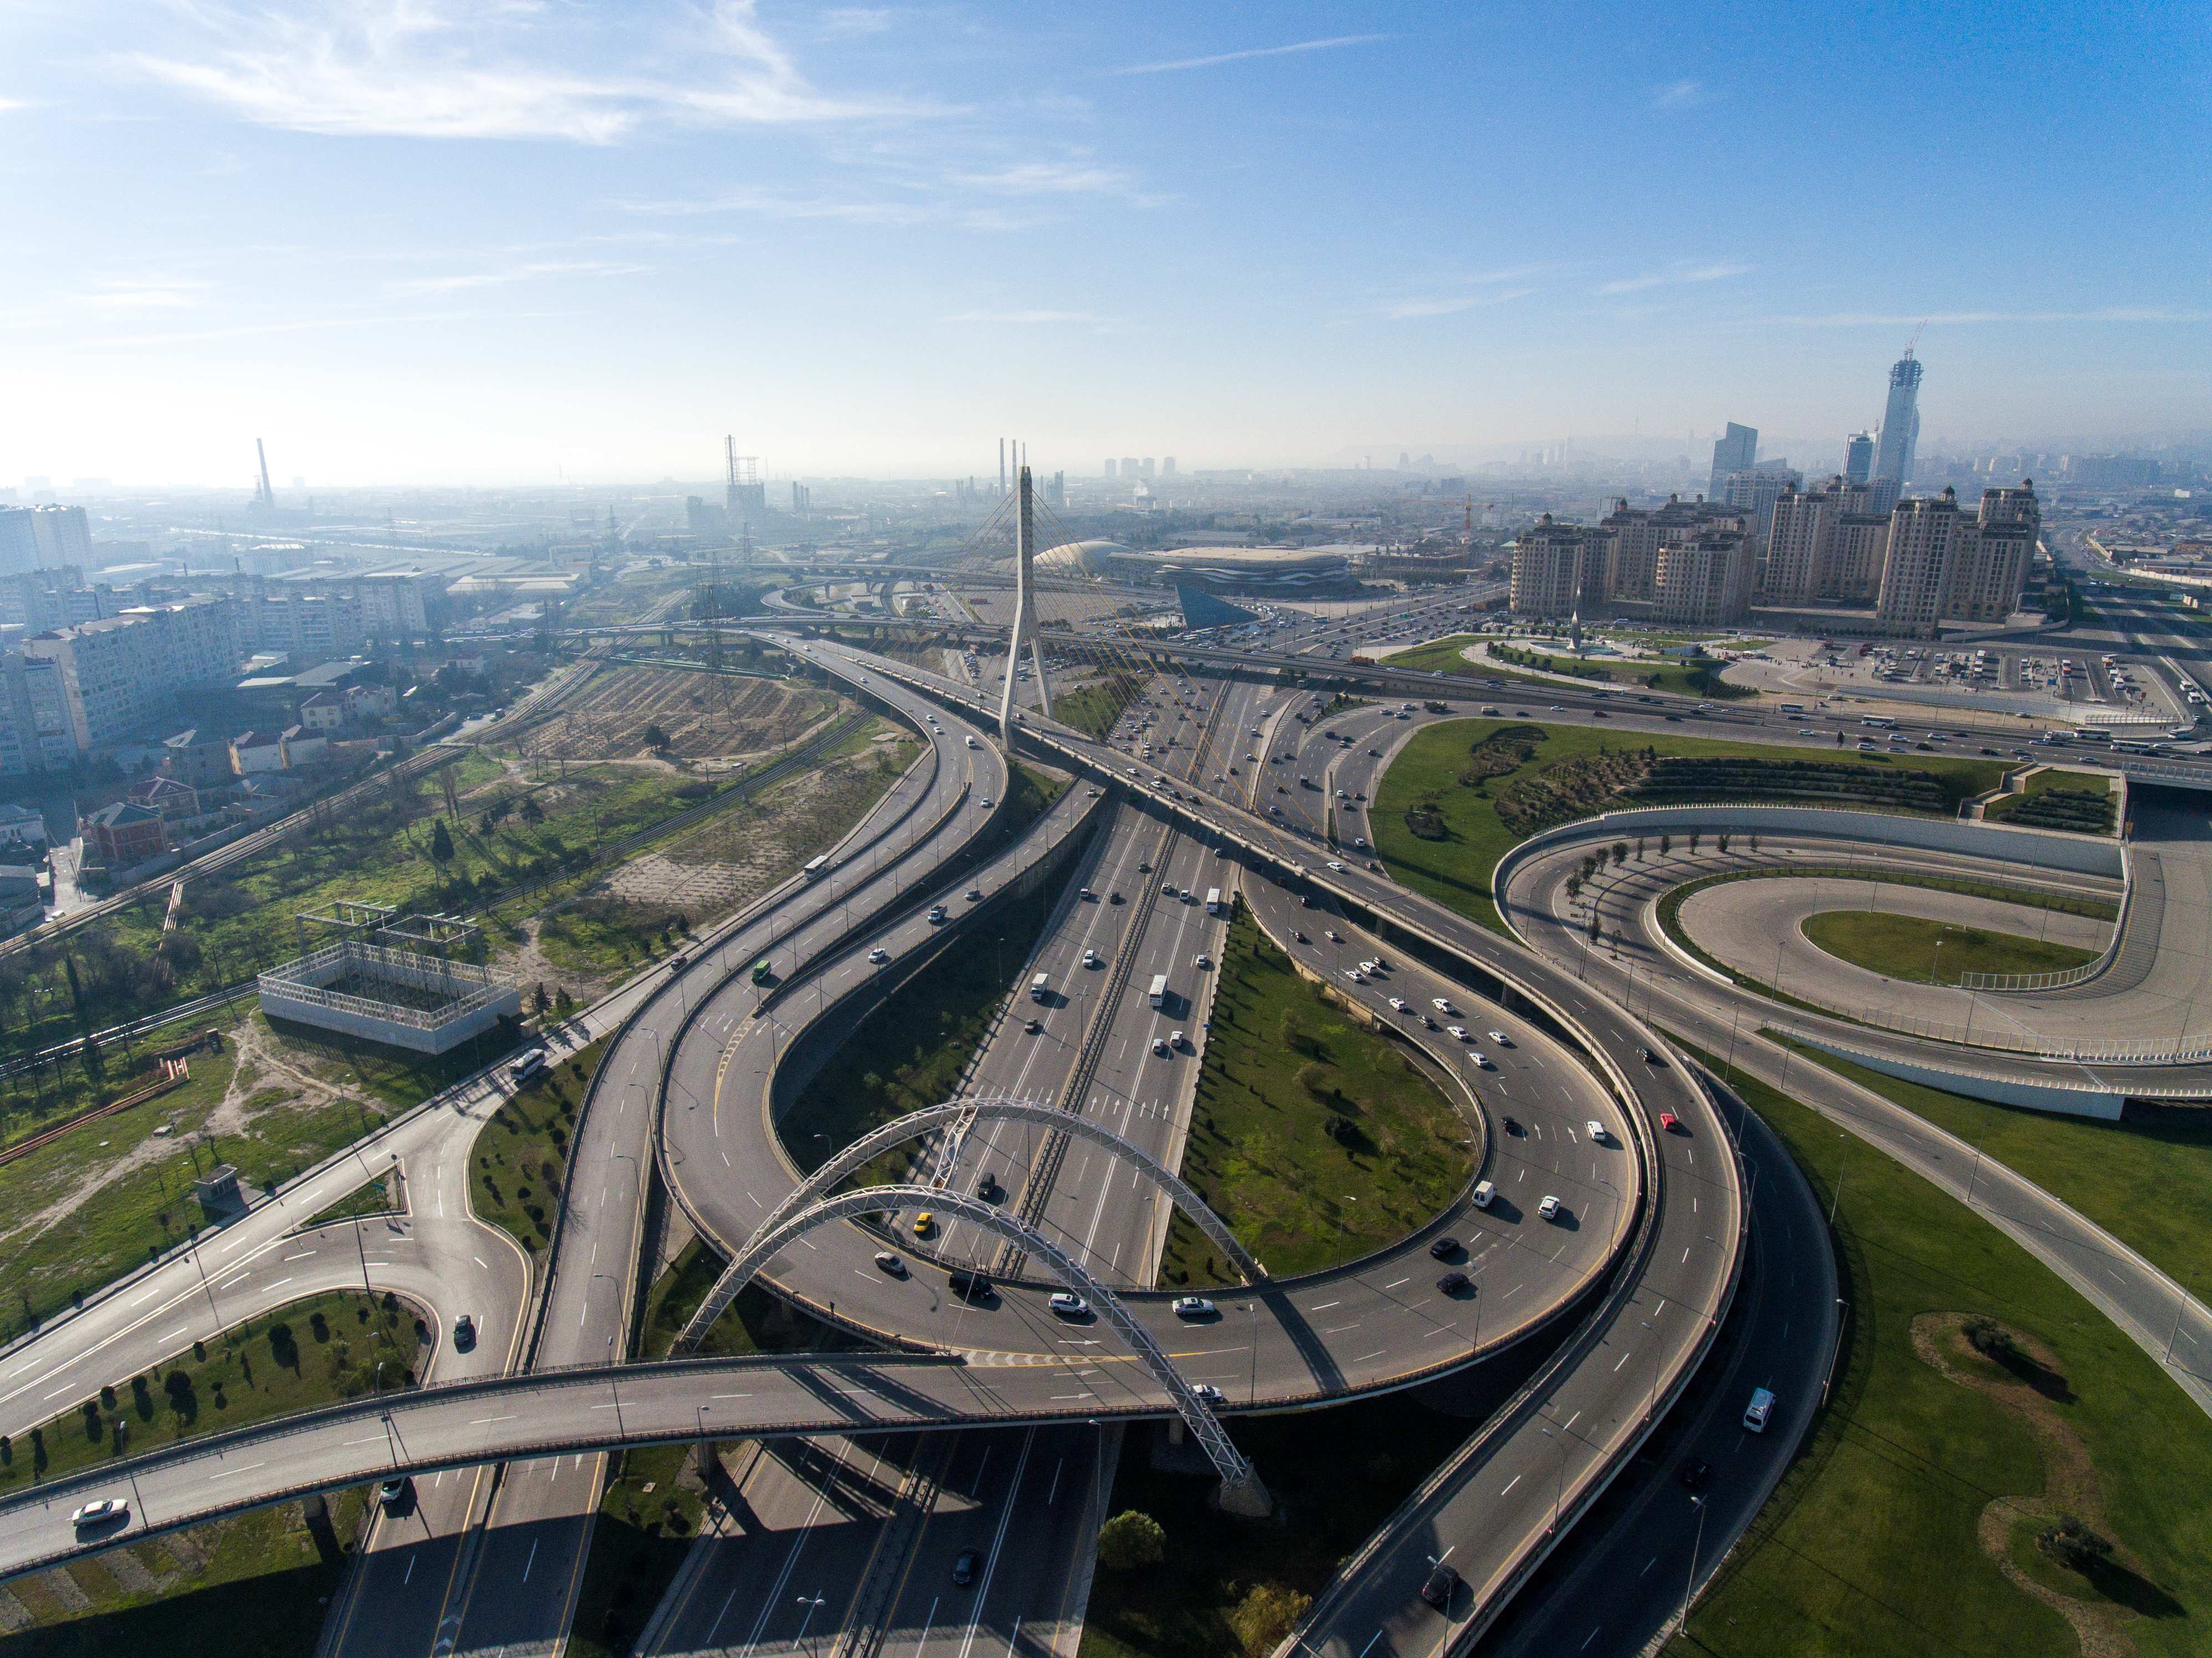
{"points": [[487, 239]]}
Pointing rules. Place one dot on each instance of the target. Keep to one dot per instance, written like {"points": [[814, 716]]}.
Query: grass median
{"points": [[1315, 1137], [252, 1584], [1888, 1532], [519, 1161], [1463, 792]]}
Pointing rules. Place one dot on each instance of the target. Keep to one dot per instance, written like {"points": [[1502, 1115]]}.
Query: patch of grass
{"points": [[606, 934], [2082, 801], [756, 1322], [1925, 953], [648, 1515], [2109, 1171], [1337, 1475], [519, 1160], [46, 1260], [1464, 834], [1869, 1547], [910, 1052], [2065, 903], [253, 1586], [1315, 1138], [310, 1352], [374, 1197], [1093, 708], [1688, 678]]}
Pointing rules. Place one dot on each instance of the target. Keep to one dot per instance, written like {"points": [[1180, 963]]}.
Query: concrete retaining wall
{"points": [[2042, 848], [2036, 1096]]}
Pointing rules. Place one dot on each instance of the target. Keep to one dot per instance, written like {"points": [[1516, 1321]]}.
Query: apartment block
{"points": [[1559, 571], [1705, 581]]}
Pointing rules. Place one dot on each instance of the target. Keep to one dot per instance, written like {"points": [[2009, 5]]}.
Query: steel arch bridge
{"points": [[955, 1116], [1240, 1487]]}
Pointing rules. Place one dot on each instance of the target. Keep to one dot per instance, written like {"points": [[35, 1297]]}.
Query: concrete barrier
{"points": [[2075, 1100]]}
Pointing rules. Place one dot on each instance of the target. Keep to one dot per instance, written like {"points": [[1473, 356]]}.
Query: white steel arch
{"points": [[1240, 1487]]}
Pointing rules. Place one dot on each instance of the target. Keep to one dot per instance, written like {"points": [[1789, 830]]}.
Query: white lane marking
{"points": [[228, 1472], [1510, 1483]]}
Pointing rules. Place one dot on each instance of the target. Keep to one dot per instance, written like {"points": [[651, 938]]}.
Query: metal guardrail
{"points": [[2072, 976]]}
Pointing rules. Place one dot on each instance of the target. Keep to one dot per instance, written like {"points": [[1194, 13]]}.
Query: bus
{"points": [[1213, 900], [1159, 991], [1793, 708], [1879, 721], [2093, 734], [763, 971], [815, 866]]}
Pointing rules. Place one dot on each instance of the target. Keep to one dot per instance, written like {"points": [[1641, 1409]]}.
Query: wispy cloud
{"points": [[1679, 95], [517, 274], [1088, 317], [116, 297], [768, 204], [1446, 305], [1069, 178], [13, 103], [1674, 277], [314, 326], [857, 20], [2112, 314], [489, 68], [1329, 45]]}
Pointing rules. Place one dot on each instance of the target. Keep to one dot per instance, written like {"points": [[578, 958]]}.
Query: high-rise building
{"points": [[1736, 450], [1559, 571], [1753, 492], [1858, 547], [1129, 473], [1900, 421], [1990, 560], [1917, 564], [1858, 458], [1800, 536], [1145, 468], [1113, 468], [1705, 581], [1167, 466], [43, 537], [1634, 536]]}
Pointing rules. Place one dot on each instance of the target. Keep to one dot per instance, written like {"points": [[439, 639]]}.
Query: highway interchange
{"points": [[690, 1089]]}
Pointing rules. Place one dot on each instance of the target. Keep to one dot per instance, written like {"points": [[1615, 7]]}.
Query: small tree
{"points": [[656, 737], [2074, 1546], [1130, 1541], [441, 844], [1696, 836], [1592, 929], [1619, 853], [1666, 845], [1574, 887], [1724, 842], [1639, 848]]}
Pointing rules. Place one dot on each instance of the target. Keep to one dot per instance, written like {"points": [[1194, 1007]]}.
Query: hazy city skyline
{"points": [[475, 242]]}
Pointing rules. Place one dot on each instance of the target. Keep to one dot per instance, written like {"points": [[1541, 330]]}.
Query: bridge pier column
{"points": [[1248, 1498]]}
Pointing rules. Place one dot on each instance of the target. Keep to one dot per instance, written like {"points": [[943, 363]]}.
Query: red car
{"points": [[1669, 1122]]}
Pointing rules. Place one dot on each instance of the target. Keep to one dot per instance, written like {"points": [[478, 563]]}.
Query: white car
{"points": [[1202, 960], [1160, 1045], [879, 956], [1192, 1307], [1398, 1004], [1595, 1129], [1457, 1032], [937, 912], [1330, 933], [1176, 1039], [1068, 1304], [102, 1511], [1549, 1208], [1481, 1061], [1335, 865], [1501, 1039], [1442, 1004], [1208, 1392], [1091, 958]]}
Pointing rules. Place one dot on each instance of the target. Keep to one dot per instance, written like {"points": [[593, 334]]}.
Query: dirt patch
{"points": [[625, 710], [2030, 1389]]}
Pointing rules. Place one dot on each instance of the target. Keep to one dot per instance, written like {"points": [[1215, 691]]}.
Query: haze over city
{"points": [[453, 241]]}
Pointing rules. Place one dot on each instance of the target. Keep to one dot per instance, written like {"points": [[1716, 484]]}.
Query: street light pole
{"points": [[1696, 1543]]}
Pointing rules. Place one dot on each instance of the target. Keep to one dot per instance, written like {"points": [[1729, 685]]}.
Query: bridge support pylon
{"points": [[1025, 619]]}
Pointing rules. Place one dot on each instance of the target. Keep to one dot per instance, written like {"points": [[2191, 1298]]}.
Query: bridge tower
{"points": [[1026, 620]]}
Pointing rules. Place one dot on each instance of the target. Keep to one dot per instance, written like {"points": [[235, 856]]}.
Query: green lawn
{"points": [[2103, 1169], [1314, 1137], [1230, 1586], [1923, 952], [2081, 801], [254, 1586], [520, 1157], [1684, 678], [1462, 783], [1869, 1547], [1094, 708], [311, 1353]]}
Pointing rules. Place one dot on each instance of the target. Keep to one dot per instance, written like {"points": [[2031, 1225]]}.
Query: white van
{"points": [[1756, 1412], [973, 743], [1483, 1192]]}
